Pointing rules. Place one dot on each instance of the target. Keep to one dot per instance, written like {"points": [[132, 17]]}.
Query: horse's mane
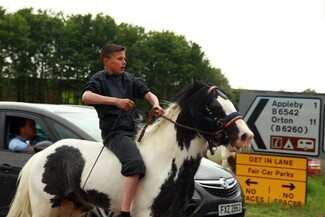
{"points": [[192, 96], [171, 110], [189, 99]]}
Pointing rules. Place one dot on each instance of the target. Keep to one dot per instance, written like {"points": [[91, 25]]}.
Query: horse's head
{"points": [[221, 116], [207, 109]]}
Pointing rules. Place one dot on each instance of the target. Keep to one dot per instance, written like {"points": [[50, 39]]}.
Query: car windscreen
{"points": [[87, 121]]}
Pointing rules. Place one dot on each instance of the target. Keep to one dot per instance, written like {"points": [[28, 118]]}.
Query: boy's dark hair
{"points": [[109, 49]]}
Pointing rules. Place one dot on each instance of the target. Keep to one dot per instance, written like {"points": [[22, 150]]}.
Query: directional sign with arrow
{"points": [[291, 186], [289, 125], [260, 145], [267, 178], [249, 182]]}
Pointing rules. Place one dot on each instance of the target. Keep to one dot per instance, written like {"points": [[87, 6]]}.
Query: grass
{"points": [[315, 203]]}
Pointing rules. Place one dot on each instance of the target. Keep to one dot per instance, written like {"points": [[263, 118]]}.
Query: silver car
{"points": [[217, 191]]}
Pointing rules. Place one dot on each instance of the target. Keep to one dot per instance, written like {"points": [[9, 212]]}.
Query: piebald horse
{"points": [[225, 157], [64, 180]]}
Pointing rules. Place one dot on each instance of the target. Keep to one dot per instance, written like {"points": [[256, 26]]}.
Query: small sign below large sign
{"points": [[288, 125], [269, 179]]}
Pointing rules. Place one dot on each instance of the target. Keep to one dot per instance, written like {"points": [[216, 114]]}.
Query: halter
{"points": [[226, 121], [221, 135], [223, 124]]}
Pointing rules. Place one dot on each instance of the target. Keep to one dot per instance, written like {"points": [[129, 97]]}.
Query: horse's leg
{"points": [[217, 157], [224, 157], [228, 159], [232, 162]]}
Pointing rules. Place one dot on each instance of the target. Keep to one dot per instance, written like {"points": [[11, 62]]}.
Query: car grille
{"points": [[220, 188]]}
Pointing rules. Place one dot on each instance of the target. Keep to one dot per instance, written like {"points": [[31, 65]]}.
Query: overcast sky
{"points": [[257, 44]]}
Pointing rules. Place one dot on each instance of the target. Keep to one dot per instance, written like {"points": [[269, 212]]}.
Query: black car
{"points": [[217, 191]]}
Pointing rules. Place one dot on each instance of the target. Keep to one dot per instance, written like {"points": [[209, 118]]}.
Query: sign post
{"points": [[285, 125], [269, 179]]}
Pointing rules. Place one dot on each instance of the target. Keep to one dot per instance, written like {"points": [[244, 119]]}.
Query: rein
{"points": [[233, 117], [149, 119]]}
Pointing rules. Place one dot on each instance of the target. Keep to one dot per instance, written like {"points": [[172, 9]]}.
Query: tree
{"points": [[309, 90], [17, 64], [45, 28], [167, 62], [48, 57]]}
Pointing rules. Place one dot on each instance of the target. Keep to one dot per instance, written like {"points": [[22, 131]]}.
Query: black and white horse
{"points": [[225, 157], [60, 181]]}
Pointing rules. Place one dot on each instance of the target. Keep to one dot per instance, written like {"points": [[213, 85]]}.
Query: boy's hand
{"points": [[159, 110], [125, 104]]}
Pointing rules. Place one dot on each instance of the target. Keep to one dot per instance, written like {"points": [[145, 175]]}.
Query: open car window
{"points": [[11, 130]]}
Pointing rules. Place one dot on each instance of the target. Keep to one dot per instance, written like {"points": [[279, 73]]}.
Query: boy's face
{"points": [[115, 64]]}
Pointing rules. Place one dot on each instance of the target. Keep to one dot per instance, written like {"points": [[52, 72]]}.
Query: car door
{"points": [[12, 162]]}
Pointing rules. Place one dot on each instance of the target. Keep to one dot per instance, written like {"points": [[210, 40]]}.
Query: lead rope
{"points": [[148, 121], [153, 111]]}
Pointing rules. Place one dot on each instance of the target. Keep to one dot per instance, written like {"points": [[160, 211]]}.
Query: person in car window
{"points": [[25, 139], [111, 91]]}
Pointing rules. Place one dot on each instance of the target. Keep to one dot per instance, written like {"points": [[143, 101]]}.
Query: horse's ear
{"points": [[193, 80]]}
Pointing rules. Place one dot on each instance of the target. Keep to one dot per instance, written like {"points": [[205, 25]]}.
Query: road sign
{"points": [[268, 179], [288, 125]]}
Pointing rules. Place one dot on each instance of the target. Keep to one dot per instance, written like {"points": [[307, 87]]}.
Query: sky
{"points": [[274, 45]]}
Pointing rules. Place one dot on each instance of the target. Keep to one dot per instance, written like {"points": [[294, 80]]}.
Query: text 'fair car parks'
{"points": [[217, 191]]}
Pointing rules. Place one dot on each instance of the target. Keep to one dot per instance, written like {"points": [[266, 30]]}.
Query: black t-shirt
{"points": [[122, 86]]}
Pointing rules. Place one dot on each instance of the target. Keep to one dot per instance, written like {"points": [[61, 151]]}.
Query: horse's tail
{"points": [[20, 206]]}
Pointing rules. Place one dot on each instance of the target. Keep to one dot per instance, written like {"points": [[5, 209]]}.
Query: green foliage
{"points": [[309, 91], [315, 204], [48, 57]]}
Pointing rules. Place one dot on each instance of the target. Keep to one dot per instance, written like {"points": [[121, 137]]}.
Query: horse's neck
{"points": [[161, 126], [159, 140]]}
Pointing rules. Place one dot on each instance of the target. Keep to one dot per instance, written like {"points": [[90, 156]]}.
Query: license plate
{"points": [[230, 208]]}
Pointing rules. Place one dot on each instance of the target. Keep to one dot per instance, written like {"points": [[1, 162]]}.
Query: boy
{"points": [[110, 91]]}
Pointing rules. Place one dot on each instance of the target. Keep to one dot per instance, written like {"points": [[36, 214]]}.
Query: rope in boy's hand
{"points": [[148, 121]]}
